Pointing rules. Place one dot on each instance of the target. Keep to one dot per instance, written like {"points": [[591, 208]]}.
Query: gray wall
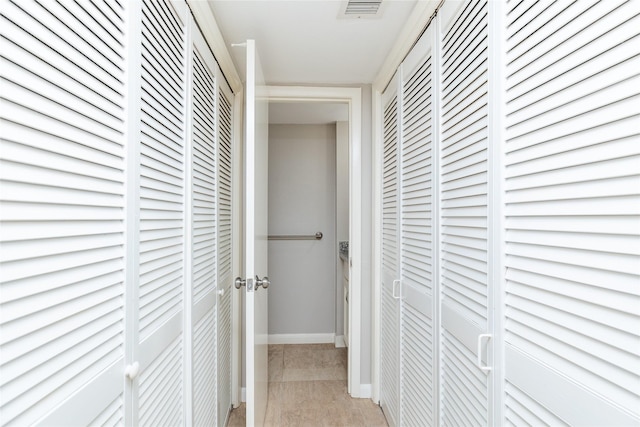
{"points": [[302, 200]]}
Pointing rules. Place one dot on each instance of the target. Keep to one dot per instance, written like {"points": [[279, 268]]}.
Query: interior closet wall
{"points": [[510, 218], [302, 201], [115, 217]]}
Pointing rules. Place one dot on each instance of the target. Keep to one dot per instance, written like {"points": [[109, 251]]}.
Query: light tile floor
{"points": [[308, 387]]}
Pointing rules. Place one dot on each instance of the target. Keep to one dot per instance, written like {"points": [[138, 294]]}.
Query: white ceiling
{"points": [[305, 42]]}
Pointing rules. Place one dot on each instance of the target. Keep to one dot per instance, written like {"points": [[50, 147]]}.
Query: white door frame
{"points": [[352, 97], [237, 242]]}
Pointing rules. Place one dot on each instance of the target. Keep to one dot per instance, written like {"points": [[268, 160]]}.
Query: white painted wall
{"points": [[366, 295], [302, 200]]}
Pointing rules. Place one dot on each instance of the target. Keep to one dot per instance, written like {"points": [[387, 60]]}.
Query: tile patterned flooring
{"points": [[308, 387]]}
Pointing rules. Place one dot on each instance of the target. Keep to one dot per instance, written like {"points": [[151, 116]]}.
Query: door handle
{"points": [[239, 282], [393, 290], [264, 282], [480, 338], [131, 371]]}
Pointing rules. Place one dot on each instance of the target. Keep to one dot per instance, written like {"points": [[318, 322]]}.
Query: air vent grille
{"points": [[360, 8]]}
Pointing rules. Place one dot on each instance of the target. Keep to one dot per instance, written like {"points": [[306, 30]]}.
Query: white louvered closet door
{"points": [[390, 290], [572, 297], [225, 272], [62, 210], [464, 233], [162, 216], [418, 337], [203, 230]]}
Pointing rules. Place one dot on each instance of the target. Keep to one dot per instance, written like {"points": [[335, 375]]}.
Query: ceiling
{"points": [[305, 42]]}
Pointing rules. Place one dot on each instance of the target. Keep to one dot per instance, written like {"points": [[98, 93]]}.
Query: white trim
{"points": [[203, 13], [411, 31], [243, 394], [497, 19], [222, 88], [436, 95], [302, 338], [376, 135], [340, 341], [352, 96], [187, 262], [237, 249], [355, 242], [365, 391], [132, 96]]}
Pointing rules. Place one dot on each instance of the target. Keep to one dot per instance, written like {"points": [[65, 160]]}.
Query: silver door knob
{"points": [[239, 282], [264, 282]]}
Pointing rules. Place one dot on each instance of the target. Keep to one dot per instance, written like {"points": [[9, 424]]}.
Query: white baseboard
{"points": [[243, 394], [365, 391], [340, 342], [302, 338]]}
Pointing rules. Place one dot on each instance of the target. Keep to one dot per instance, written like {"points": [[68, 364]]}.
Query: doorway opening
{"points": [[308, 217], [326, 99], [350, 97]]}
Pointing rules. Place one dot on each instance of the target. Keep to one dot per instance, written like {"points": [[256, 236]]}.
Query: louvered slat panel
{"points": [[573, 211], [417, 368], [224, 186], [111, 416], [416, 234], [464, 163], [162, 206], [463, 212], [203, 176], [62, 209], [389, 359], [416, 226], [224, 356], [521, 409], [204, 372], [225, 276], [162, 168], [464, 388], [161, 388], [390, 309], [204, 227], [390, 189]]}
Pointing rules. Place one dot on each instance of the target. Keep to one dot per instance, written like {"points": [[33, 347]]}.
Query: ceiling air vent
{"points": [[360, 9]]}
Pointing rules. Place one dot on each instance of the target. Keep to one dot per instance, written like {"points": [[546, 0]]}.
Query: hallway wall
{"points": [[302, 200]]}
